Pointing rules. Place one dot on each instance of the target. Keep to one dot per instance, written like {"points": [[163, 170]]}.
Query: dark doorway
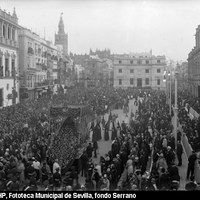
{"points": [[1, 97], [139, 82]]}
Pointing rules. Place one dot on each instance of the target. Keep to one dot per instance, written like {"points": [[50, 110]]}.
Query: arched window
{"points": [[4, 31]]}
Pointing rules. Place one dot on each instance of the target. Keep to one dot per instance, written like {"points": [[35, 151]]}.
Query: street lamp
{"points": [[170, 92], [175, 111], [165, 81]]}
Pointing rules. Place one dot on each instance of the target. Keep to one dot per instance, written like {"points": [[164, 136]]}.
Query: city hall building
{"points": [[140, 70]]}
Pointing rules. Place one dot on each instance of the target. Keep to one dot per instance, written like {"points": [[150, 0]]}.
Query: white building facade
{"points": [[142, 70], [9, 69], [38, 61]]}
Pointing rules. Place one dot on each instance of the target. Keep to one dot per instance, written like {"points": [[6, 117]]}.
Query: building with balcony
{"points": [[139, 70], [194, 66], [38, 61], [9, 68], [182, 69]]}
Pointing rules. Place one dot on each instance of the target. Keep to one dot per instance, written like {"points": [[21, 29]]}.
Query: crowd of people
{"points": [[27, 131], [190, 124]]}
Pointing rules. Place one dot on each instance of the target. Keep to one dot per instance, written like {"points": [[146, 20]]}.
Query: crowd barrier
{"points": [[188, 150]]}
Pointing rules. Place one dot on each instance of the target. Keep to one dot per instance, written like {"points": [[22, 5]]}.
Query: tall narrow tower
{"points": [[62, 38]]}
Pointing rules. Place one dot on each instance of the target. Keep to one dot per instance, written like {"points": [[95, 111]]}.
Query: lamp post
{"points": [[175, 111], [165, 81], [170, 92]]}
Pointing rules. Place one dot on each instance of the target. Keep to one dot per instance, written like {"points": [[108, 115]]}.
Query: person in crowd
{"points": [[191, 164], [161, 162], [95, 148], [179, 152], [57, 179], [45, 172], [56, 166], [89, 150], [84, 164], [37, 167], [191, 185]]}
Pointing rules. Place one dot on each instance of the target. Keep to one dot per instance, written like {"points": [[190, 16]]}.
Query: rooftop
{"points": [[8, 17]]}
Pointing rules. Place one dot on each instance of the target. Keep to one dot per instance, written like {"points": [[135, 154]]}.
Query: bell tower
{"points": [[61, 38]]}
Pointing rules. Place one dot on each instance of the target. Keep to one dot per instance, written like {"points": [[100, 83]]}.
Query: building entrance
{"points": [[139, 82]]}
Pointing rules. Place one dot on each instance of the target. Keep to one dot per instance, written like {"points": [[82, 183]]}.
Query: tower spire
{"points": [[14, 13], [61, 25]]}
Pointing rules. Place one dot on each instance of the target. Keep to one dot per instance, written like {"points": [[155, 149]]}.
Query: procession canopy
{"points": [[73, 132]]}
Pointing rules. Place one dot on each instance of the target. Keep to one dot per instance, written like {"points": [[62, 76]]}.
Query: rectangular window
{"points": [[146, 71], [1, 67], [120, 81], [7, 67], [120, 70], [13, 34], [158, 70], [8, 31], [131, 62], [158, 81], [139, 62], [4, 31], [158, 61], [147, 81], [131, 71], [120, 62], [13, 67], [131, 81], [147, 61]]}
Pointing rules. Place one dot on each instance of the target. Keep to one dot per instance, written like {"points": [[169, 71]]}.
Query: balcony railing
{"points": [[8, 42], [44, 83]]}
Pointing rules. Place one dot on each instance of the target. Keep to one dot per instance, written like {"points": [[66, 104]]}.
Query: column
{"points": [[175, 112], [3, 64], [1, 29], [10, 65]]}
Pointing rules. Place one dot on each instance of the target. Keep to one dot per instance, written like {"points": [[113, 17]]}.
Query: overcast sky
{"points": [[167, 27]]}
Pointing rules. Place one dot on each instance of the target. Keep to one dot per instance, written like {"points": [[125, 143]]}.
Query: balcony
{"points": [[30, 51], [8, 42], [43, 83]]}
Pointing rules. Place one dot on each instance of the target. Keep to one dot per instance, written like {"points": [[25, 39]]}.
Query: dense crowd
{"points": [[190, 125], [27, 131]]}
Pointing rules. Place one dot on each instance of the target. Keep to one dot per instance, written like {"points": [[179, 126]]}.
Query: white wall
{"points": [[7, 90]]}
